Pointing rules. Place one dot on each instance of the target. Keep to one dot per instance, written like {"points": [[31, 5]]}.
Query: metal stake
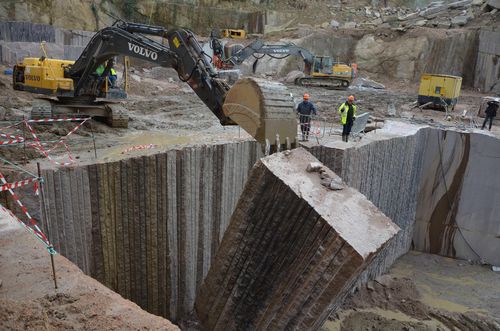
{"points": [[93, 137], [53, 270], [45, 220]]}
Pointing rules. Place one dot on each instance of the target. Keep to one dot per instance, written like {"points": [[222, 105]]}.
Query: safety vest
{"points": [[113, 72], [100, 70], [343, 109]]}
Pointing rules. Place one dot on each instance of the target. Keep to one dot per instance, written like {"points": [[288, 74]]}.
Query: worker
{"points": [[491, 112], [347, 112], [111, 75], [306, 109], [100, 70]]}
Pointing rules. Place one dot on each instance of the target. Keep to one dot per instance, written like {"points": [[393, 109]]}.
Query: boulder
{"points": [[293, 75], [408, 17], [389, 18], [459, 4], [444, 24], [350, 25], [334, 24], [293, 249], [494, 3], [460, 20]]}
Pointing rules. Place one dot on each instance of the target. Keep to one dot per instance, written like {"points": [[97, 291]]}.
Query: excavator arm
{"points": [[281, 51], [183, 53]]}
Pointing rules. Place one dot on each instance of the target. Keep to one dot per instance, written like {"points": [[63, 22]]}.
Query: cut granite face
{"points": [[293, 249]]}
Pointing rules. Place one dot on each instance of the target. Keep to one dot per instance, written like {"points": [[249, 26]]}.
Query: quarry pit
{"points": [[180, 223]]}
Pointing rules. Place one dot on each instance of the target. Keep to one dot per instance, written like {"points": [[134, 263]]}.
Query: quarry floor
{"points": [[424, 292], [420, 292]]}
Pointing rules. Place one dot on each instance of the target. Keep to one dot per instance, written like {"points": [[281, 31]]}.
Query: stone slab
{"points": [[292, 250]]}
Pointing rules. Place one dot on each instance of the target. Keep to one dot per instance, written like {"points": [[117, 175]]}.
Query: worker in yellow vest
{"points": [[112, 77], [347, 111]]}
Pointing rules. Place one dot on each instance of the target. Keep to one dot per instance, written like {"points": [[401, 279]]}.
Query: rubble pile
{"points": [[438, 14]]}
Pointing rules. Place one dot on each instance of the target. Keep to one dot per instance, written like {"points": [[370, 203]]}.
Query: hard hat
{"points": [[350, 98], [306, 96]]}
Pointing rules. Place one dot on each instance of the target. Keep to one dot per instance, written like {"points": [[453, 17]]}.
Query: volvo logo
{"points": [[142, 51]]}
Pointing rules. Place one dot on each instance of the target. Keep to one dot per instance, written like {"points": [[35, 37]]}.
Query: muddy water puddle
{"points": [[147, 142]]}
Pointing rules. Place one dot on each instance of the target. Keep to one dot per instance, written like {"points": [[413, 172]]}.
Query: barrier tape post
{"points": [[44, 217], [91, 124], [25, 160]]}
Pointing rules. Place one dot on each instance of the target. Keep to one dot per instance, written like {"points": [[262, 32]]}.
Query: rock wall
{"points": [[403, 57], [22, 39], [459, 198], [149, 227], [487, 69], [455, 216]]}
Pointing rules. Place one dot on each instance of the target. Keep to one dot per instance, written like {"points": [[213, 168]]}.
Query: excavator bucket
{"points": [[265, 110]]}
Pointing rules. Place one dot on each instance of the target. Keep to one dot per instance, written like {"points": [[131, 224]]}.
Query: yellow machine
{"points": [[318, 70], [234, 33], [326, 73], [44, 76], [440, 90]]}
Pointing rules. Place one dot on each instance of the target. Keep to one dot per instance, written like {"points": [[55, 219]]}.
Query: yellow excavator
{"points": [[73, 88], [319, 70]]}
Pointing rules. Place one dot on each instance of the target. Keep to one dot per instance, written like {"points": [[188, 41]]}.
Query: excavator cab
{"points": [[322, 66]]}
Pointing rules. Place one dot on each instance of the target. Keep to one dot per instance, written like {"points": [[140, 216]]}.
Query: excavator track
{"points": [[265, 110], [41, 108], [328, 82], [117, 116], [113, 113]]}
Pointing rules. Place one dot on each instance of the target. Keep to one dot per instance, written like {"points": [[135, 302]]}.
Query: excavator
{"points": [[263, 109], [319, 71]]}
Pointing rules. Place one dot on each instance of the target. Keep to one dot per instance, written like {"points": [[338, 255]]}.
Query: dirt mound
{"points": [[394, 302], [28, 300]]}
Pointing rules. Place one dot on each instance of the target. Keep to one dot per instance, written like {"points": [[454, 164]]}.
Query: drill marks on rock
{"points": [[288, 256], [152, 223]]}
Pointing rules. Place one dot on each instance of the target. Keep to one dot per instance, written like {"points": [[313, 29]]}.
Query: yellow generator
{"points": [[439, 90], [234, 33]]}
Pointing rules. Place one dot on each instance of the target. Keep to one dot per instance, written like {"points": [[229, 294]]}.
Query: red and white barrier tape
{"points": [[4, 135], [38, 145], [29, 229], [67, 119], [12, 141], [20, 183], [34, 227], [61, 141], [139, 147]]}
